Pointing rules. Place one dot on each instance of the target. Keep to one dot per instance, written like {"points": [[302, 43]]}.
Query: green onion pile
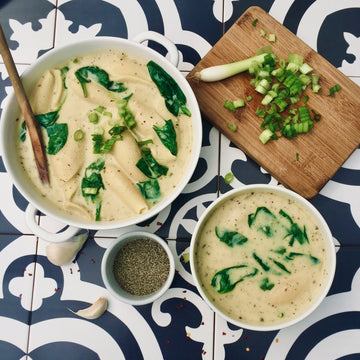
{"points": [[282, 84]]}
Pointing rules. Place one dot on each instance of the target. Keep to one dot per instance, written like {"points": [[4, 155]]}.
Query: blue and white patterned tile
{"points": [[176, 21], [17, 270], [331, 332], [29, 28], [179, 321]]}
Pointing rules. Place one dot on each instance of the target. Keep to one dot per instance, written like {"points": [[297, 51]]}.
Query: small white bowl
{"points": [[108, 274], [329, 245]]}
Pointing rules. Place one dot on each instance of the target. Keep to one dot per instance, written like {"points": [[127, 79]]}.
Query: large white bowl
{"points": [[330, 251], [8, 126]]}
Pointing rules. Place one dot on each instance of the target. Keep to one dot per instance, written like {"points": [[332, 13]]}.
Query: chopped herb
{"points": [[255, 22], [297, 156]]}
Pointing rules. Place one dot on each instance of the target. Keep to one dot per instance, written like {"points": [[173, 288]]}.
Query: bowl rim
{"points": [[330, 249], [107, 262], [55, 57]]}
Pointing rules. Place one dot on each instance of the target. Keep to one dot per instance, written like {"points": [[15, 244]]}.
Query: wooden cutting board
{"points": [[304, 163]]}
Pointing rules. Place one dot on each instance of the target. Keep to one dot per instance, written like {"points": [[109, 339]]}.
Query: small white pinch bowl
{"points": [[108, 274], [329, 248]]}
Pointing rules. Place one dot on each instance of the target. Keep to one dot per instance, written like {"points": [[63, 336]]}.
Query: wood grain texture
{"points": [[321, 151]]}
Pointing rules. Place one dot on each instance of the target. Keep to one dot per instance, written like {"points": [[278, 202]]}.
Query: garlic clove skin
{"points": [[63, 253], [94, 311]]}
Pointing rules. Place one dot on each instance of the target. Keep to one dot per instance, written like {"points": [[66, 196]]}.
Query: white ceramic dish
{"points": [[330, 250], [55, 57], [108, 274]]}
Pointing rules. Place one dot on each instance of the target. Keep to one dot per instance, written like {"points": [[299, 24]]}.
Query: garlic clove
{"points": [[93, 311], [63, 253]]}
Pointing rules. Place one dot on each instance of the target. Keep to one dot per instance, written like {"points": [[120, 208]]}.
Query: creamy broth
{"points": [[275, 276], [120, 195]]}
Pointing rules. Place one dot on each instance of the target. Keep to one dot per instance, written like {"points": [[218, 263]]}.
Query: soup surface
{"points": [[118, 137], [260, 258]]}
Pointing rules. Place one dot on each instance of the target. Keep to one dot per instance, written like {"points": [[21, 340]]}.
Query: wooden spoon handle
{"points": [[31, 123]]}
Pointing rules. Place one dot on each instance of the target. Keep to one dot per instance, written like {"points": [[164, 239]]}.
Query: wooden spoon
{"points": [[31, 123]]}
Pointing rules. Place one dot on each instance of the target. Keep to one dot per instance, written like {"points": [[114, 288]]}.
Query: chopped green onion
{"points": [[255, 22], [334, 89], [78, 135], [265, 136], [272, 37], [233, 105], [229, 177], [232, 126], [305, 69], [93, 118], [249, 98], [315, 83], [262, 32]]}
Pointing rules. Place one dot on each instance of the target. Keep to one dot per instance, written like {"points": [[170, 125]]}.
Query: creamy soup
{"points": [[260, 258], [118, 137]]}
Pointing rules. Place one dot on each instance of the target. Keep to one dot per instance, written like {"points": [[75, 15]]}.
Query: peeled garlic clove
{"points": [[63, 253], [94, 311]]}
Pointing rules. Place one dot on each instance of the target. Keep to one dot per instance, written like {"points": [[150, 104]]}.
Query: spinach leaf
{"points": [[230, 238], [98, 210], [264, 220], [22, 133], [47, 119], [281, 266], [265, 266], [167, 135], [314, 259], [266, 284], [87, 74], [149, 166], [91, 185], [226, 279], [92, 180], [291, 256], [150, 189], [294, 231], [58, 134], [175, 99]]}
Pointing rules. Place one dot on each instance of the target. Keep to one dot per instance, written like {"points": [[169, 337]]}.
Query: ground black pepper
{"points": [[141, 267]]}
